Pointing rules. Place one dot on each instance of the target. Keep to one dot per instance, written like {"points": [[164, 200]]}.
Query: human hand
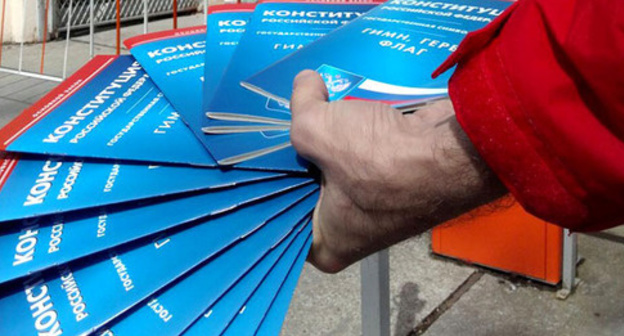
{"points": [[386, 176]]}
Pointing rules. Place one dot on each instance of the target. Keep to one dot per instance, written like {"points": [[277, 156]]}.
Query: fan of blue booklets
{"points": [[158, 193]]}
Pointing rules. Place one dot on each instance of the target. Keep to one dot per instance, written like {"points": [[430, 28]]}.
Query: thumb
{"points": [[308, 106], [308, 91]]}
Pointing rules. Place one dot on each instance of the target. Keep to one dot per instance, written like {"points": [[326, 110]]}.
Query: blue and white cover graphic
{"points": [[217, 318], [176, 64], [77, 298], [114, 111], [394, 48], [276, 29], [339, 82], [224, 30], [195, 55], [61, 238], [31, 187], [257, 305], [274, 318], [189, 298]]}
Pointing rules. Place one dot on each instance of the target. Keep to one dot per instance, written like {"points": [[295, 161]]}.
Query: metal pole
{"points": [[2, 28], [118, 9], [45, 33], [568, 267], [205, 11], [91, 29], [375, 280], [145, 17], [69, 18], [20, 61], [31, 74], [175, 14]]}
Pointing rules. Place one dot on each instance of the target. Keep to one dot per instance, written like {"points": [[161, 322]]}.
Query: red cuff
{"points": [[483, 103], [530, 91]]}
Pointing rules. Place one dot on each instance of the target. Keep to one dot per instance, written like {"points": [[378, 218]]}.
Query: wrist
{"points": [[461, 180]]}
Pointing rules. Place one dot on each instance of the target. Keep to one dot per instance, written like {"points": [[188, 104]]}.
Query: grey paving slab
{"points": [[35, 93], [330, 304], [8, 60], [7, 81], [22, 92], [618, 231], [9, 109], [325, 304], [16, 89], [18, 92], [497, 307], [419, 282]]}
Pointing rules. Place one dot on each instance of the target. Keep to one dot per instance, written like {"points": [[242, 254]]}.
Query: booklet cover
{"points": [[110, 109], [216, 318], [76, 298], [180, 55], [193, 55], [257, 306], [34, 245], [175, 61], [225, 28], [196, 56], [274, 318], [183, 310], [186, 299], [394, 51], [115, 219], [276, 29], [34, 186]]}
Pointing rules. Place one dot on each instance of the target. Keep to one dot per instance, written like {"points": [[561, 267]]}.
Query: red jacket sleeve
{"points": [[540, 92]]}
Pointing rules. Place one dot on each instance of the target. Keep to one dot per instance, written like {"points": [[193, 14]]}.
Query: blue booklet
{"points": [[34, 245], [274, 318], [34, 186], [194, 57], [226, 24], [175, 61], [180, 56], [276, 29], [394, 50], [188, 298], [108, 109], [219, 316], [81, 297], [224, 30], [251, 315], [172, 58]]}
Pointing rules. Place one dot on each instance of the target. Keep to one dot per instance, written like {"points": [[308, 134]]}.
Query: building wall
{"points": [[15, 12]]}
